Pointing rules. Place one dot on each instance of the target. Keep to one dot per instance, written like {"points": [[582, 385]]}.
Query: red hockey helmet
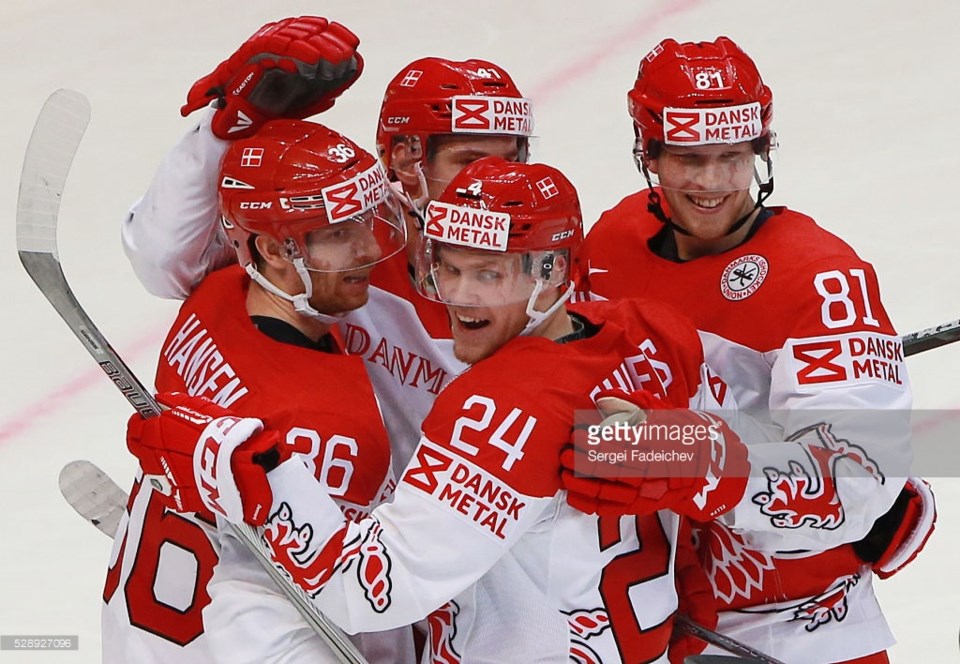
{"points": [[301, 183], [436, 96], [699, 93], [500, 207]]}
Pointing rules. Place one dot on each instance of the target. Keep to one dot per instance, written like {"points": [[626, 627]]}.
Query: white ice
{"points": [[867, 101]]}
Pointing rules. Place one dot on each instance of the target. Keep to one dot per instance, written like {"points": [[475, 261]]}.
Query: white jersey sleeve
{"points": [[841, 458], [172, 234], [404, 561], [250, 620]]}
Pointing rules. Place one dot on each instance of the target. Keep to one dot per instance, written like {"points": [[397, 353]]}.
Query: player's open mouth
{"points": [[707, 202], [470, 322]]}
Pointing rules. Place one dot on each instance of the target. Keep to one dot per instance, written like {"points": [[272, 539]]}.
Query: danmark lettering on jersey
{"points": [[195, 357], [477, 114], [356, 195], [846, 359], [467, 227], [406, 366], [481, 499], [743, 276], [703, 126]]}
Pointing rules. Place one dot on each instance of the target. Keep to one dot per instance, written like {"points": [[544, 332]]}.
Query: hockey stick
{"points": [[931, 337], [50, 151], [94, 495], [725, 642]]}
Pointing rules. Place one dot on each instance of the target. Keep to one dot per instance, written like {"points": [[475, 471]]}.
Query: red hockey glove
{"points": [[695, 597], [292, 68], [899, 536], [687, 461], [201, 456]]}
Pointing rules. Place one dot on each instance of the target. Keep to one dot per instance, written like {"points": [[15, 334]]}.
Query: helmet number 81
{"points": [[704, 80]]}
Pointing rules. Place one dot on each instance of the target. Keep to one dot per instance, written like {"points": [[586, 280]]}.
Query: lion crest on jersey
{"points": [[806, 493], [743, 276]]}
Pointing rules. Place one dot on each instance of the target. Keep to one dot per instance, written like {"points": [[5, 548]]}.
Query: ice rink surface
{"points": [[866, 102]]}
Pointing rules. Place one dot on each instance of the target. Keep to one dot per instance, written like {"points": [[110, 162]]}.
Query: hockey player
{"points": [[791, 318], [478, 535], [437, 116], [308, 213]]}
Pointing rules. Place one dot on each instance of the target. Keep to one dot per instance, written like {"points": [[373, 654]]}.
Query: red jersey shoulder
{"points": [[322, 403], [667, 344], [613, 240], [819, 282], [512, 412]]}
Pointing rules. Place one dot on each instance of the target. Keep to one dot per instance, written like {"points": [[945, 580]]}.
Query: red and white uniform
{"points": [[479, 538], [162, 561], [792, 320], [173, 238]]}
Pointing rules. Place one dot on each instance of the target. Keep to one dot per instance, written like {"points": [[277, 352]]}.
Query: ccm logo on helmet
{"points": [[255, 205], [561, 236]]}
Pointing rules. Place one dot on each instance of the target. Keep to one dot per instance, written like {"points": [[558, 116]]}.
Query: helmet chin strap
{"points": [[653, 198], [301, 302], [419, 204], [538, 317], [412, 206]]}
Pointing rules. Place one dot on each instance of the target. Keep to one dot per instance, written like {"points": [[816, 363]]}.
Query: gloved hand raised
{"points": [[683, 460], [201, 456], [293, 68]]}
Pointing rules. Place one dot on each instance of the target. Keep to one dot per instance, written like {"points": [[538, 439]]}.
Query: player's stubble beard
{"points": [[502, 324]]}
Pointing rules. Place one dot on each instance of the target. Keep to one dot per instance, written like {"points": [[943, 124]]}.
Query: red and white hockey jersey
{"points": [[792, 320], [478, 537], [323, 405], [172, 236]]}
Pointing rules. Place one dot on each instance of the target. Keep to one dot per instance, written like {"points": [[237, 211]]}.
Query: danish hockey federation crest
{"points": [[743, 276]]}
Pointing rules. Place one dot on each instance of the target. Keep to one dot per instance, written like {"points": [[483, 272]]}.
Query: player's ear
{"points": [[403, 159], [272, 252]]}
